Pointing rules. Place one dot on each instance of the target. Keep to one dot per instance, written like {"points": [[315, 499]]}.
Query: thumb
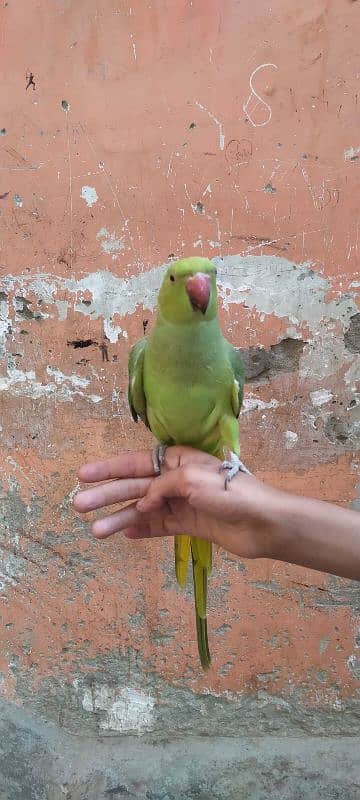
{"points": [[161, 489]]}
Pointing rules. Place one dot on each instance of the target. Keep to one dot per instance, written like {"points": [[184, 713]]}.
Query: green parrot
{"points": [[186, 384]]}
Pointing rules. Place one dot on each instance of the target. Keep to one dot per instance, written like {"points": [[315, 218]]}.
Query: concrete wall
{"points": [[130, 132]]}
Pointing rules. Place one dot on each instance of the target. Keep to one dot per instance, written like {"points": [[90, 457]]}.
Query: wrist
{"points": [[273, 519]]}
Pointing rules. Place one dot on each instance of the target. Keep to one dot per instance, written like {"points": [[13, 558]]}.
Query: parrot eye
{"points": [[172, 278]]}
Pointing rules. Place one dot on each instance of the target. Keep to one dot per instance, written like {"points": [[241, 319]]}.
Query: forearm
{"points": [[318, 535]]}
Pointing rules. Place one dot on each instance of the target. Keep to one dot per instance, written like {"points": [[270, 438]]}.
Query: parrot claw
{"points": [[158, 457], [233, 465]]}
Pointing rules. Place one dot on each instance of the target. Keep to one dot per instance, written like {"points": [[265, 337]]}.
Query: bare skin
{"points": [[250, 519]]}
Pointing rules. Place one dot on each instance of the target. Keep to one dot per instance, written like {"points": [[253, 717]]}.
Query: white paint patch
{"points": [[64, 387], [267, 284], [75, 380], [125, 710], [274, 285], [90, 195], [255, 404], [351, 376], [18, 201], [111, 244], [12, 564], [321, 397], [353, 663], [62, 307], [112, 332], [5, 325], [352, 154], [11, 570], [291, 439]]}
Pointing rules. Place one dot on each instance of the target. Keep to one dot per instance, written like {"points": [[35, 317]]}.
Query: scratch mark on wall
{"points": [[321, 196], [133, 45], [105, 172], [217, 122], [258, 99], [66, 108]]}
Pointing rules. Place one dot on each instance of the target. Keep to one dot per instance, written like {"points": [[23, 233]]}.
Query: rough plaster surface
{"points": [[54, 765], [132, 135]]}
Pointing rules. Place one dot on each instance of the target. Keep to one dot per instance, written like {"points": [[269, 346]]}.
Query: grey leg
{"points": [[158, 457], [233, 467]]}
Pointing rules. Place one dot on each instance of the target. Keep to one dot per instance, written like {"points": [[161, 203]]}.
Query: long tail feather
{"points": [[182, 553], [203, 644], [201, 553], [201, 560]]}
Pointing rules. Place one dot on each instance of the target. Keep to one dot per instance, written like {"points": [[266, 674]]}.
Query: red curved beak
{"points": [[198, 288]]}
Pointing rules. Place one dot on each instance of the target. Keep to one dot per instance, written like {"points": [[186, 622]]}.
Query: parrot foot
{"points": [[234, 466], [158, 457]]}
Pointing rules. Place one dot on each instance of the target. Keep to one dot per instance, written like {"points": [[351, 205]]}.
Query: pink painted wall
{"points": [[225, 129]]}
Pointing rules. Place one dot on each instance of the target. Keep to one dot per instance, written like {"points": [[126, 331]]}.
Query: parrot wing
{"points": [[239, 378], [136, 394]]}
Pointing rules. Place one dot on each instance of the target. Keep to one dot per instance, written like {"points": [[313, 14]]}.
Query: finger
{"points": [[156, 529], [113, 523], [125, 465], [174, 483], [109, 493], [138, 532], [139, 464], [163, 487]]}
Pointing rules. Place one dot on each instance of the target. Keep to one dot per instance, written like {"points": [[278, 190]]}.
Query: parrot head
{"points": [[188, 292]]}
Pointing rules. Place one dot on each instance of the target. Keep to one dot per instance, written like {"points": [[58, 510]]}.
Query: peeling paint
{"points": [[89, 194], [277, 286], [269, 284], [11, 570], [321, 397], [291, 439], [126, 710], [352, 153], [256, 404], [112, 332], [111, 244], [353, 663], [64, 389]]}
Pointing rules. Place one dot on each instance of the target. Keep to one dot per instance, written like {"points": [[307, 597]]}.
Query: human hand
{"points": [[188, 497]]}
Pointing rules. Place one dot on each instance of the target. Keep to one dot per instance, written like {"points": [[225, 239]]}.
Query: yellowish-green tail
{"points": [[201, 553]]}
